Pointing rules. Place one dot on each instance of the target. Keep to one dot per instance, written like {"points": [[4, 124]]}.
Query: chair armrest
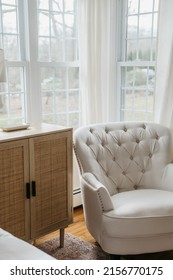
{"points": [[98, 190], [96, 200], [167, 178]]}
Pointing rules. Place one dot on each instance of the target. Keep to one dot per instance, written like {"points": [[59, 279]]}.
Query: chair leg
{"points": [[115, 257], [61, 237]]}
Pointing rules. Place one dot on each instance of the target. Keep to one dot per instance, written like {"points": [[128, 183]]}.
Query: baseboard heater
{"points": [[77, 200]]}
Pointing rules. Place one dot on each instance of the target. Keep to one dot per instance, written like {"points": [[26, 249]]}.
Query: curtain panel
{"points": [[164, 66], [97, 55]]}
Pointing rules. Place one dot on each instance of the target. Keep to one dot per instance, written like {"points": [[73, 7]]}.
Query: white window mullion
{"points": [[35, 92], [54, 92], [137, 49], [22, 27], [50, 14], [67, 95], [27, 90], [63, 35]]}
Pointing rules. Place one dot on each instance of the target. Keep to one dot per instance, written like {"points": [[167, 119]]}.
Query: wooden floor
{"points": [[77, 228]]}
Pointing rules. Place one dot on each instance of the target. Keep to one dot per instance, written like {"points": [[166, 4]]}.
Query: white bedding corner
{"points": [[13, 248]]}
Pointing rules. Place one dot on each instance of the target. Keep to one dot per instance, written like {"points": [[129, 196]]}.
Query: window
{"points": [[13, 95], [59, 62], [39, 39], [137, 59]]}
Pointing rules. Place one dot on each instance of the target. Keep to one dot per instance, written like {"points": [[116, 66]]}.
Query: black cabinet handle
{"points": [[33, 188], [28, 190]]}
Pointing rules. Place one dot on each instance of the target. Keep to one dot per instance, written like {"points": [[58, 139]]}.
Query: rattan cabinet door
{"points": [[51, 182], [14, 174]]}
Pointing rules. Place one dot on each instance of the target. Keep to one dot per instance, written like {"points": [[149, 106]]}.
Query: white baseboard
{"points": [[77, 199]]}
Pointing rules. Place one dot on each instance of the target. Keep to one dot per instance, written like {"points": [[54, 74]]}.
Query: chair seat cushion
{"points": [[140, 213]]}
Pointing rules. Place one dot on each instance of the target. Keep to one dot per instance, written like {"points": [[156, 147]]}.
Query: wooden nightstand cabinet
{"points": [[36, 181]]}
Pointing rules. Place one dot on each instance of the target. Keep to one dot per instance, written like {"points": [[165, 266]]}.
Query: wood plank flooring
{"points": [[77, 228]]}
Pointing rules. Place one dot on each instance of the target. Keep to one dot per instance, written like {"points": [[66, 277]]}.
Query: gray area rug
{"points": [[78, 249], [74, 249]]}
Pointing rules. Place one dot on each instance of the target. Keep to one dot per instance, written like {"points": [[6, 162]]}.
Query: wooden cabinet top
{"points": [[32, 131]]}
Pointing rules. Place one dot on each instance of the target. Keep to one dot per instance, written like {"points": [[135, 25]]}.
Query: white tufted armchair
{"points": [[127, 185]]}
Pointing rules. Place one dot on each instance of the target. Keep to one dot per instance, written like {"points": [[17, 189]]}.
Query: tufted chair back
{"points": [[124, 156]]}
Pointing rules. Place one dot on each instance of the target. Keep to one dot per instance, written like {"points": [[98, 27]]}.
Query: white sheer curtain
{"points": [[164, 67], [97, 55]]}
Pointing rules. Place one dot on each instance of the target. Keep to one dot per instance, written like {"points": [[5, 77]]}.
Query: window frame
{"points": [[28, 20], [20, 63], [121, 58], [36, 65]]}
